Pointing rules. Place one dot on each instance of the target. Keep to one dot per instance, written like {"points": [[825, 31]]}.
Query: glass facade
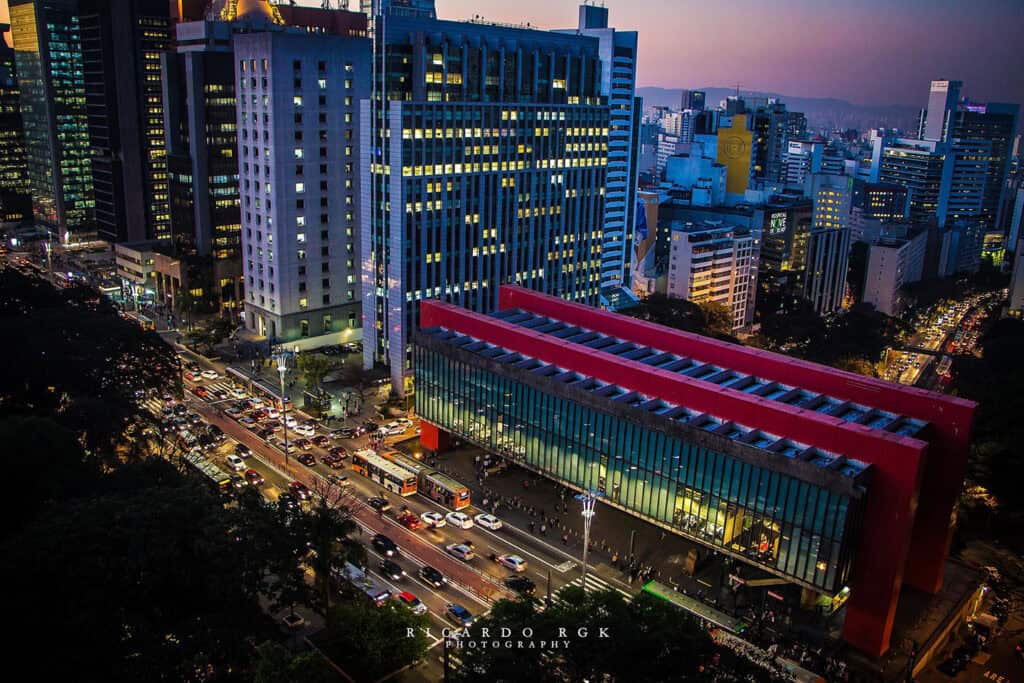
{"points": [[772, 519]]}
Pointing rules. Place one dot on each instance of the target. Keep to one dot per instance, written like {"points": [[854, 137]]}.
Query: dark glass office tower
{"points": [[15, 199], [485, 163], [122, 41], [48, 54]]}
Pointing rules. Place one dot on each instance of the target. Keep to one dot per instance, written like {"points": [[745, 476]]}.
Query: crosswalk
{"points": [[593, 583]]}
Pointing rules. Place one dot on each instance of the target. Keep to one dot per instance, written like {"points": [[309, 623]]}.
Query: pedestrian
{"points": [[543, 528], [615, 559], [565, 539], [531, 526]]}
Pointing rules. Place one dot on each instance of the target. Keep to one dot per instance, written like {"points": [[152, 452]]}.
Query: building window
{"points": [[304, 328], [327, 324]]}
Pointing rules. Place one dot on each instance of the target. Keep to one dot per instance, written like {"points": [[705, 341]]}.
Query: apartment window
{"points": [[298, 119], [324, 236], [322, 100], [300, 221], [297, 65], [302, 270], [325, 283], [327, 299], [323, 169], [304, 327], [325, 267], [300, 188], [348, 85], [298, 169], [325, 251], [298, 84], [327, 324], [321, 66], [348, 101], [322, 83], [298, 136], [350, 294], [300, 204], [300, 237], [302, 286], [297, 100], [351, 319], [323, 219], [323, 118]]}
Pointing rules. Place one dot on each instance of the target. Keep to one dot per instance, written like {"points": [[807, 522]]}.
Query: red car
{"points": [[321, 441], [190, 376], [306, 459], [253, 477], [299, 490], [410, 521], [333, 461], [304, 444], [338, 452], [258, 414], [201, 392]]}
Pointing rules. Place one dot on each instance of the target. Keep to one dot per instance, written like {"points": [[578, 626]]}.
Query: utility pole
{"points": [[282, 367]]}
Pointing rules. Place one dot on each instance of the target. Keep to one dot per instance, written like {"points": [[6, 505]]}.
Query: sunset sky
{"points": [[866, 51]]}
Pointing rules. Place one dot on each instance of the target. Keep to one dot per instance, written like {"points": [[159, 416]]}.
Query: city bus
{"points": [[142, 321], [216, 477], [384, 472], [430, 483]]}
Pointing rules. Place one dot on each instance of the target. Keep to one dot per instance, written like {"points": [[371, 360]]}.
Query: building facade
{"points": [[48, 53], [811, 474], [15, 197], [715, 262], [828, 248], [122, 43], [298, 136], [485, 163], [892, 264]]}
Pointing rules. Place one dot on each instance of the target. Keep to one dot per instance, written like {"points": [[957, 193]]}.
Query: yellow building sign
{"points": [[734, 152]]}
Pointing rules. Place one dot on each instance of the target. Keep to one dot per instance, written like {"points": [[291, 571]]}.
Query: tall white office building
{"points": [[713, 261], [298, 97]]}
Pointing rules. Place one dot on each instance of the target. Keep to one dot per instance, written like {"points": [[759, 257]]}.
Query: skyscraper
{"points": [[122, 41], [15, 198], [298, 134], [485, 163], [828, 248], [618, 51], [48, 53], [942, 101], [993, 126], [918, 166]]}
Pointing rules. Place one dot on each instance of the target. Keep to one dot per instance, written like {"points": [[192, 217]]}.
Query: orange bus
{"points": [[384, 472], [430, 483]]}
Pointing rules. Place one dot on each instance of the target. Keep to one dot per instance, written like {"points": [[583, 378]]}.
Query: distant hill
{"points": [[822, 112]]}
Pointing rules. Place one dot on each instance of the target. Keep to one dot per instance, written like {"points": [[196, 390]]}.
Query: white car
{"points": [[236, 463], [291, 422], [273, 413], [461, 551], [513, 562], [459, 519], [238, 392], [433, 519], [488, 521], [210, 374], [256, 402], [304, 430]]}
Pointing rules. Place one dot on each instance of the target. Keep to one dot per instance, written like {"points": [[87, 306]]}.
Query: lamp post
{"points": [[589, 500], [282, 367]]}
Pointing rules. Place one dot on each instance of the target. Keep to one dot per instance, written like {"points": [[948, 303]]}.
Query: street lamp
{"points": [[589, 500], [282, 367]]}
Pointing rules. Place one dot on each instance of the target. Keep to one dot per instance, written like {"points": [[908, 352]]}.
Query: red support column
{"points": [[433, 437]]}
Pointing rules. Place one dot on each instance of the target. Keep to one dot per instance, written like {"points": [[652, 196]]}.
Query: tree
{"points": [[314, 367], [679, 314], [788, 323], [326, 526], [717, 319], [370, 642], [276, 664]]}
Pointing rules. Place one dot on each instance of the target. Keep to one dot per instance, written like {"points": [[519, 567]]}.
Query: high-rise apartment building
{"points": [[298, 97], [942, 101], [485, 163], [715, 262], [48, 54], [918, 166], [122, 42], [15, 198], [991, 127], [828, 248], [618, 52], [892, 263]]}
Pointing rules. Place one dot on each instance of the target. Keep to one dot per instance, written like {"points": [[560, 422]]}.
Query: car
{"points": [[410, 521], [235, 463], [287, 501], [434, 520], [190, 376], [255, 402], [384, 545], [304, 444], [206, 442], [378, 504], [521, 585], [234, 412], [305, 430], [458, 614], [220, 394], [459, 519], [243, 451], [513, 562], [201, 392], [291, 422], [339, 452], [461, 551], [432, 577], [347, 432], [194, 418], [237, 392], [299, 490], [321, 441], [306, 459], [238, 482], [371, 427], [210, 374], [333, 461], [273, 425], [391, 570], [488, 521], [253, 477], [412, 602], [248, 423], [339, 480], [216, 432], [272, 412]]}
